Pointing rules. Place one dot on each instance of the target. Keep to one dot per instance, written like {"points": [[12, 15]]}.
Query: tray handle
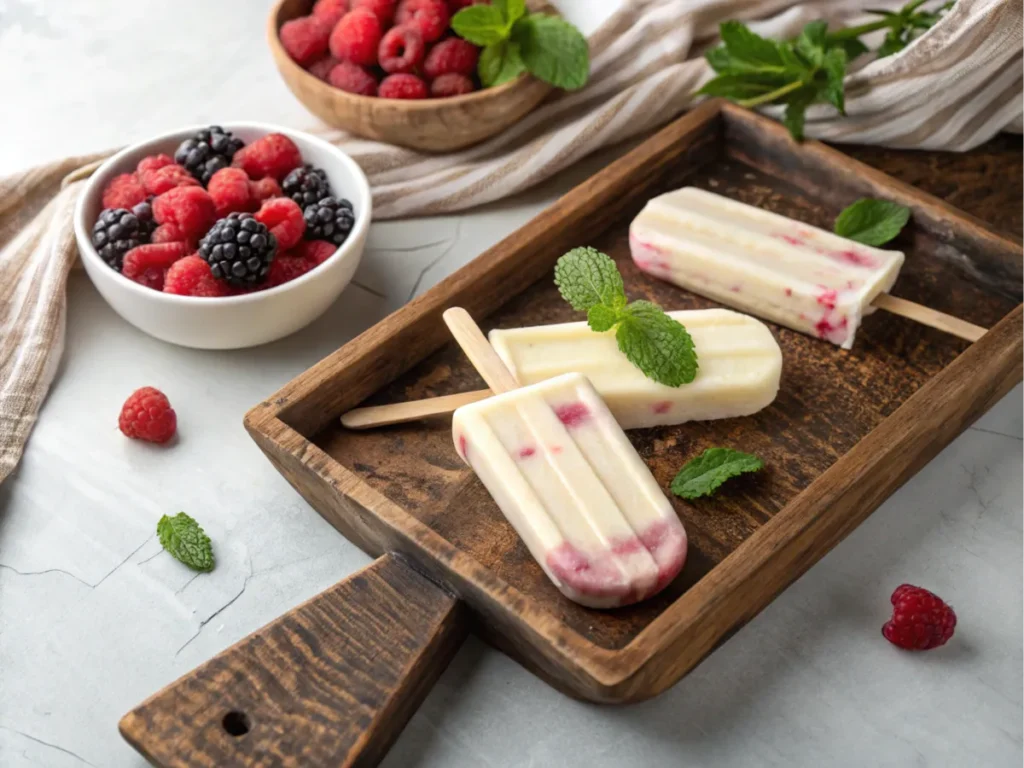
{"points": [[332, 682]]}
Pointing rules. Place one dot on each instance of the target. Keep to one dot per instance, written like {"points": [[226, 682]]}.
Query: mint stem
{"points": [[772, 96]]}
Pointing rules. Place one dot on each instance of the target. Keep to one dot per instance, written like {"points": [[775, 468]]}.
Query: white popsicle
{"points": [[769, 265]]}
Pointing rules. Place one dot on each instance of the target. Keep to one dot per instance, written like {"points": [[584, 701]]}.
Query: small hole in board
{"points": [[236, 723]]}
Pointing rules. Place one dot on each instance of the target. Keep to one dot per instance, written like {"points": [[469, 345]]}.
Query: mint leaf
{"points": [[500, 63], [748, 50], [872, 222], [602, 318], [186, 541], [480, 25], [835, 72], [702, 476], [894, 42], [553, 50], [511, 10], [586, 277], [811, 42], [740, 86], [796, 110], [656, 344], [852, 47]]}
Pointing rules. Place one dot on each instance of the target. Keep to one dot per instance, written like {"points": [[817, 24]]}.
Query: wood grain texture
{"points": [[412, 410], [431, 125], [332, 683]]}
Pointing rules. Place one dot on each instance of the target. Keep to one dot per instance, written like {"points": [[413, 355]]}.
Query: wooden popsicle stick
{"points": [[413, 410], [930, 317], [479, 351]]}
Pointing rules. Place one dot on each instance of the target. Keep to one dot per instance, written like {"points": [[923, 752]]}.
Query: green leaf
{"points": [[737, 86], [881, 12], [749, 50], [811, 43], [872, 222], [835, 71], [796, 109], [511, 10], [852, 47], [553, 50], [893, 43], [603, 318], [586, 277], [702, 476], [657, 344], [186, 541], [480, 25], [719, 59], [500, 63]]}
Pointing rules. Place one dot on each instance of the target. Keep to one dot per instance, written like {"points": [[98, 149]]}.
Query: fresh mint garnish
{"points": [[703, 475], [872, 222], [513, 41], [185, 539], [650, 339]]}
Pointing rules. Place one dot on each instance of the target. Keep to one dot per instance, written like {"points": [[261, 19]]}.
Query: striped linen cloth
{"points": [[952, 89]]}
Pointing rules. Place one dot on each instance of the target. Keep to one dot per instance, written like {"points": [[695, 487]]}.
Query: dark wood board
{"points": [[846, 430]]}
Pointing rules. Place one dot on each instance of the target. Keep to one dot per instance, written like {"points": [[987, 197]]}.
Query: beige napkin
{"points": [[953, 88]]}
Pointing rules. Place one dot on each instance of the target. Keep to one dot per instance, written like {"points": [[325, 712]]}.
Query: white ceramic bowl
{"points": [[236, 321]]}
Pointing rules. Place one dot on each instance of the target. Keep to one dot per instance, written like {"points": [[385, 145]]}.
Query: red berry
{"points": [[147, 415], [402, 87], [316, 251], [148, 264], [191, 276], [167, 233], [286, 268], [190, 209], [451, 85], [124, 191], [283, 217], [920, 620], [353, 79], [263, 190], [166, 178], [430, 17], [401, 50], [382, 9], [322, 67], [451, 56], [355, 38], [271, 155], [305, 38], [153, 163], [229, 188], [330, 11]]}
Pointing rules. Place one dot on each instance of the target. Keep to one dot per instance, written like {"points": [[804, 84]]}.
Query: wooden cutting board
{"points": [[334, 681]]}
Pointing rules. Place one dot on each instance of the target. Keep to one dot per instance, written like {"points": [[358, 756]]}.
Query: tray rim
{"points": [[690, 626]]}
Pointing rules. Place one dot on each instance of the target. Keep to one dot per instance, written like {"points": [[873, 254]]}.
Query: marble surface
{"points": [[94, 617]]}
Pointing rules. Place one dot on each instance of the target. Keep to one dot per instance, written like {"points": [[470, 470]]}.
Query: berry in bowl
{"points": [[224, 236]]}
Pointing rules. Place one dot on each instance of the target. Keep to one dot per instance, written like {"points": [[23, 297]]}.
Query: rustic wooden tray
{"points": [[334, 681]]}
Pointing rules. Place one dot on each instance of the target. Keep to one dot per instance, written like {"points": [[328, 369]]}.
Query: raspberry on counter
{"points": [[147, 415], [920, 620]]}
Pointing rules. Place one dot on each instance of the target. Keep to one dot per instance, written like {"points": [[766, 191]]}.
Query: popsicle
{"points": [[797, 275], [740, 366], [566, 477]]}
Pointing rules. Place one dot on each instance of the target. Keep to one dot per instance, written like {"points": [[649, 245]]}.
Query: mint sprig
{"points": [[514, 41], [872, 222], [654, 342], [186, 541], [703, 475]]}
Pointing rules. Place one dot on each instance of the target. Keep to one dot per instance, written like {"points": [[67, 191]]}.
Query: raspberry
{"points": [[451, 85], [191, 276], [229, 188], [353, 78], [316, 251], [271, 155], [451, 56], [190, 209], [148, 264], [401, 50], [382, 9], [330, 11], [322, 67], [305, 38], [124, 191], [402, 87], [355, 38], [263, 189], [147, 415], [286, 268], [167, 178], [167, 233], [283, 217], [430, 17], [920, 620], [153, 163]]}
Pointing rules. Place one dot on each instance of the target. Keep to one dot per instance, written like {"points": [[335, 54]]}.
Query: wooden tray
{"points": [[334, 681]]}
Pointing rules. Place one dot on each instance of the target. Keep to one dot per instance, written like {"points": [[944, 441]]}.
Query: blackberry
{"points": [[306, 185], [117, 231], [239, 249], [207, 152], [329, 219], [144, 213]]}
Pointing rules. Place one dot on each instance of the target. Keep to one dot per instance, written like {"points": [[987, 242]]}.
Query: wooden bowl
{"points": [[433, 125]]}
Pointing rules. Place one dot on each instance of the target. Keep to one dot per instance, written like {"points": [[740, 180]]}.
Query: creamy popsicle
{"points": [[567, 478], [740, 365], [797, 275]]}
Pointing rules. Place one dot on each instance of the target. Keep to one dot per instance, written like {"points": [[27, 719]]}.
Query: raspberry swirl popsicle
{"points": [[799, 276]]}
